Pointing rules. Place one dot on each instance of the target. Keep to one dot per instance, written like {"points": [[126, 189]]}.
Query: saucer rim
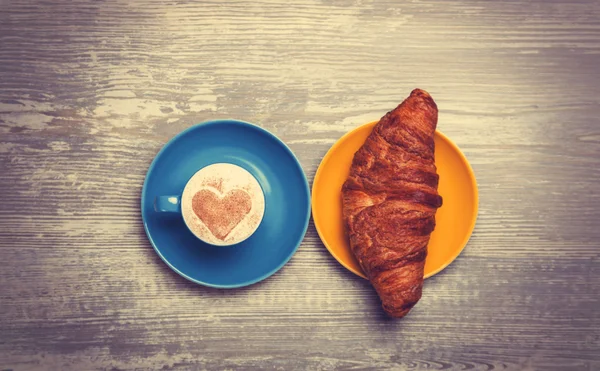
{"points": [[307, 196]]}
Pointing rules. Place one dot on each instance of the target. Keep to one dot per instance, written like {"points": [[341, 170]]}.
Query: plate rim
{"points": [[443, 137], [263, 131]]}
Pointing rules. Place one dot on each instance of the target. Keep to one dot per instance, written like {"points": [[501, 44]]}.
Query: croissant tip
{"points": [[399, 312], [420, 92]]}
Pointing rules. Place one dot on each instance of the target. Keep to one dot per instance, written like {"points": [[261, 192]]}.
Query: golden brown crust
{"points": [[390, 200]]}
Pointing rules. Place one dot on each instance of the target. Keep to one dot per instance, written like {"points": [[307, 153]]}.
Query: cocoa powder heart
{"points": [[221, 213]]}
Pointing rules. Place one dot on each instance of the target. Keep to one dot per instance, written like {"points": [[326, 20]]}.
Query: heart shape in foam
{"points": [[221, 213]]}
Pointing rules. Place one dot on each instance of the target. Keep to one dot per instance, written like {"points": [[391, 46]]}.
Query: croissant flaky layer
{"points": [[390, 200]]}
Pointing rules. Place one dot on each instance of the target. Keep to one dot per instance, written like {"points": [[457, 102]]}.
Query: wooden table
{"points": [[91, 90]]}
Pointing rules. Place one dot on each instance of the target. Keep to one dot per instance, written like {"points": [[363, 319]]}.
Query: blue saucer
{"points": [[287, 203]]}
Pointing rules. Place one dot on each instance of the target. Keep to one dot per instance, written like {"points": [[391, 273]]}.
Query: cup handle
{"points": [[167, 204]]}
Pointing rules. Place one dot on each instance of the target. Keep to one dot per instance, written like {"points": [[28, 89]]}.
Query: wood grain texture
{"points": [[91, 90]]}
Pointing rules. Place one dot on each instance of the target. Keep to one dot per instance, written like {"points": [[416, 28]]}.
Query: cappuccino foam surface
{"points": [[222, 204]]}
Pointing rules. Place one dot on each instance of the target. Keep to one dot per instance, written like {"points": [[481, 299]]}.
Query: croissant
{"points": [[390, 199]]}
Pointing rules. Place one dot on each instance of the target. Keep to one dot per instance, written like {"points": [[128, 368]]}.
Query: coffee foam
{"points": [[222, 180]]}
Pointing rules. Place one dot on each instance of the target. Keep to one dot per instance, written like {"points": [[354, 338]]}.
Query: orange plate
{"points": [[455, 220]]}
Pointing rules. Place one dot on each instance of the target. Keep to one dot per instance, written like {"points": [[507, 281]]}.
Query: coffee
{"points": [[222, 204]]}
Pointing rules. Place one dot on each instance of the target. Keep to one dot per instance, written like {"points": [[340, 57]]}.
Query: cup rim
{"points": [[262, 215]]}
